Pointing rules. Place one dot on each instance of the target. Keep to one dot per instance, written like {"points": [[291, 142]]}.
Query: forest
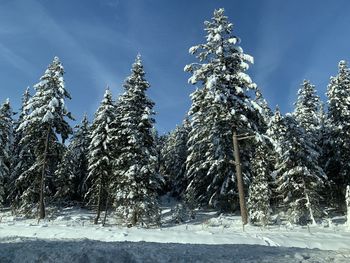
{"points": [[295, 166]]}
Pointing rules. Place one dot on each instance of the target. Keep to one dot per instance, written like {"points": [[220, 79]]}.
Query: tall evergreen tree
{"points": [[275, 132], [174, 155], [308, 111], [23, 157], [136, 180], [221, 105], [259, 191], [299, 178], [6, 149], [100, 155], [73, 170], [276, 128], [46, 120], [337, 147], [264, 111]]}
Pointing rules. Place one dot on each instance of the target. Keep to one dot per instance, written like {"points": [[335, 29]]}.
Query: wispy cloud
{"points": [[283, 57], [15, 60], [42, 25], [102, 75]]}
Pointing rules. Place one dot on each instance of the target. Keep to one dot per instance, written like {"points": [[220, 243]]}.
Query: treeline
{"points": [[111, 162], [295, 165]]}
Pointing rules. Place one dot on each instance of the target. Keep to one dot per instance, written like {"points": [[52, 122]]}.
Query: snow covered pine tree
{"points": [[100, 156], [136, 180], [299, 179], [338, 122], [276, 131], [6, 151], [221, 105], [73, 169], [23, 156], [276, 128], [174, 155], [46, 120], [259, 191], [308, 112]]}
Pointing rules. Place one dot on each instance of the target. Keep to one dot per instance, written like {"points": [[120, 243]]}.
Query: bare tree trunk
{"points": [[42, 183], [308, 204], [244, 214], [99, 203], [134, 218]]}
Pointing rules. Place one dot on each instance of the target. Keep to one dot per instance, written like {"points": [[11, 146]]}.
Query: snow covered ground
{"points": [[72, 230]]}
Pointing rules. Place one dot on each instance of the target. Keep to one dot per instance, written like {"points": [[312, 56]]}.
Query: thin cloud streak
{"points": [[15, 60]]}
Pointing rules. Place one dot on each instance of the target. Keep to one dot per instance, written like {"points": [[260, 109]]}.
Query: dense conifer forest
{"points": [[294, 165]]}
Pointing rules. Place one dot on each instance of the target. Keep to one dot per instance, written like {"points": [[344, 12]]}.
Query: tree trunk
{"points": [[347, 200], [106, 208], [42, 183], [244, 214], [99, 203], [134, 218], [308, 204]]}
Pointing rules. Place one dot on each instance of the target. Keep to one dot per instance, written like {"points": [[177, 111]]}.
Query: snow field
{"points": [[208, 228]]}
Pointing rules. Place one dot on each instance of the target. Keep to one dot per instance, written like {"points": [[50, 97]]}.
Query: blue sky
{"points": [[97, 41]]}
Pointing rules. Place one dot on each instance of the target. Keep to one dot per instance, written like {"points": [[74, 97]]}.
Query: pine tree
{"points": [[259, 191], [100, 155], [24, 158], [308, 111], [6, 149], [221, 105], [275, 132], [264, 111], [276, 128], [136, 180], [46, 120], [338, 121], [73, 170], [174, 155], [299, 179]]}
